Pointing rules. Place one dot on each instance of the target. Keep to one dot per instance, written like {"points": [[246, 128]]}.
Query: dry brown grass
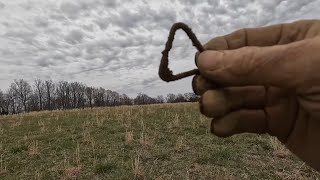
{"points": [[72, 172], [137, 168], [42, 125], [33, 148], [3, 172], [180, 145], [58, 129], [129, 137], [144, 140], [279, 149], [3, 168]]}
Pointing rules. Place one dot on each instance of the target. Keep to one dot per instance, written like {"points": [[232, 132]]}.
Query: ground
{"points": [[168, 141]]}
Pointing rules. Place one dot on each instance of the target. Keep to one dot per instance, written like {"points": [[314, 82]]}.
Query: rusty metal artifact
{"points": [[164, 72]]}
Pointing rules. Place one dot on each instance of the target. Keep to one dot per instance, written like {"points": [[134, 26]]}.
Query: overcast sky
{"points": [[117, 44]]}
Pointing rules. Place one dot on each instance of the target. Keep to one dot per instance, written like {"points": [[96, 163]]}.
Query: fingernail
{"points": [[196, 58], [194, 84], [209, 60]]}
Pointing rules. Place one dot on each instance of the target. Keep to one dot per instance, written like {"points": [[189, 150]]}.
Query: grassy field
{"points": [[137, 142]]}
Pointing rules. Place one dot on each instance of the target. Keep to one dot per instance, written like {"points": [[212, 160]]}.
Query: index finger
{"points": [[265, 36]]}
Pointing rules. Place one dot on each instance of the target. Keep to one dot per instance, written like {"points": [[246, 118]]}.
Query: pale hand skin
{"points": [[265, 80]]}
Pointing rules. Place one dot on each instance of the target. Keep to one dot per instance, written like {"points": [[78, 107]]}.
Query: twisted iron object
{"points": [[164, 72]]}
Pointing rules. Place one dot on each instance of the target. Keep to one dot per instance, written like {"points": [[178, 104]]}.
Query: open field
{"points": [[137, 142]]}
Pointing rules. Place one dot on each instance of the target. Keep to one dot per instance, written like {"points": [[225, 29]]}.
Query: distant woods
{"points": [[48, 95]]}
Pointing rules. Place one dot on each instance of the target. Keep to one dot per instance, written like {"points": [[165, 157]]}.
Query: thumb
{"points": [[286, 66]]}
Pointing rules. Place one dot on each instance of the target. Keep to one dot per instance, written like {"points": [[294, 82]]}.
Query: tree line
{"points": [[49, 95]]}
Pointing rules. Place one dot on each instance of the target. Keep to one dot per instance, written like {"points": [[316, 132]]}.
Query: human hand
{"points": [[265, 80]]}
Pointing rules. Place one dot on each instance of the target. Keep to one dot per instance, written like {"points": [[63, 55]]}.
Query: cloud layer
{"points": [[117, 44]]}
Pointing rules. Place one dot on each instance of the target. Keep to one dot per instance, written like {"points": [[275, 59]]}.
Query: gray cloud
{"points": [[2, 5], [41, 22], [20, 34], [57, 16], [118, 44], [44, 62], [74, 36], [70, 8], [103, 23]]}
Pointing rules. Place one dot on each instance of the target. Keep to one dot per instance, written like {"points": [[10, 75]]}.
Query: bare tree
{"points": [[125, 100], [190, 97], [1, 99], [160, 99], [81, 95], [115, 98], [99, 97], [179, 98], [171, 98], [63, 92], [11, 99], [74, 88], [77, 93], [6, 104], [89, 92], [108, 97], [49, 87], [3, 109], [39, 89], [144, 99], [34, 102], [22, 90]]}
